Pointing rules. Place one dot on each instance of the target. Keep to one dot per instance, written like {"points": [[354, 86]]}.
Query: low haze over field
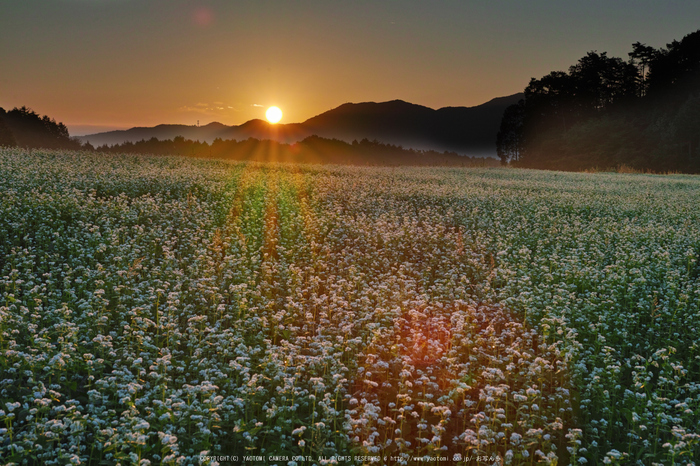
{"points": [[121, 63]]}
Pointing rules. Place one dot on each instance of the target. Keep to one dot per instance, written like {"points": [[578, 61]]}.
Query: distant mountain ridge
{"points": [[465, 130]]}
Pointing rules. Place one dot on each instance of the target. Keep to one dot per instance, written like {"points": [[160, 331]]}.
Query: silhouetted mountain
{"points": [[261, 129], [459, 129], [466, 130], [162, 132]]}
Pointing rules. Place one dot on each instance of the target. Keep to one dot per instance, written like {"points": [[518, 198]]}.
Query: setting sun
{"points": [[273, 114]]}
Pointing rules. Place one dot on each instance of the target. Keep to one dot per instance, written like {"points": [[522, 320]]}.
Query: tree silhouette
{"points": [[596, 114], [642, 56], [33, 131], [687, 124], [676, 70], [509, 140], [6, 136], [601, 81]]}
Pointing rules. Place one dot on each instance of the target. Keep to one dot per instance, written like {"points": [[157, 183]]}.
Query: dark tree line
{"points": [[24, 127], [606, 112], [313, 149]]}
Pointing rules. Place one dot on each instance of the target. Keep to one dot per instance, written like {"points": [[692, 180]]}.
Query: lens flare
{"points": [[203, 16]]}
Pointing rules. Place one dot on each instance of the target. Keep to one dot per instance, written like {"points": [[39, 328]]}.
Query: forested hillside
{"points": [[606, 112], [313, 149]]}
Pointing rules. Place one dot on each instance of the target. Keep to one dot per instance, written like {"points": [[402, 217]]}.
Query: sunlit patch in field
{"points": [[423, 340], [471, 380]]}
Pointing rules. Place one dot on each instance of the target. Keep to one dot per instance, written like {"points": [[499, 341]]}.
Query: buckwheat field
{"points": [[157, 310]]}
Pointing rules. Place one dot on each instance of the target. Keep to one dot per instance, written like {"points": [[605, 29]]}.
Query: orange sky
{"points": [[124, 63]]}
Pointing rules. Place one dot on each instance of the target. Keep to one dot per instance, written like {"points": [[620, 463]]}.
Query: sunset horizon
{"points": [[123, 64], [88, 129]]}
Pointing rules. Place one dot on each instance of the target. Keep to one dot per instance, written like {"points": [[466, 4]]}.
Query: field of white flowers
{"points": [[156, 309]]}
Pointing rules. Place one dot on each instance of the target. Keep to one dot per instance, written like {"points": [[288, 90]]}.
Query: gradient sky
{"points": [[124, 63]]}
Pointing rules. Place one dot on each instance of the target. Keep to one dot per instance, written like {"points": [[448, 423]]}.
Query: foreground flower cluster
{"points": [[157, 309]]}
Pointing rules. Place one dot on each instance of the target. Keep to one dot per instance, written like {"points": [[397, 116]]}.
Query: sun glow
{"points": [[273, 114]]}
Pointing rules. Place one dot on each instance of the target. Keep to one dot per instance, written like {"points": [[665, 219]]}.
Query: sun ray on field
{"points": [[242, 307], [457, 372]]}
